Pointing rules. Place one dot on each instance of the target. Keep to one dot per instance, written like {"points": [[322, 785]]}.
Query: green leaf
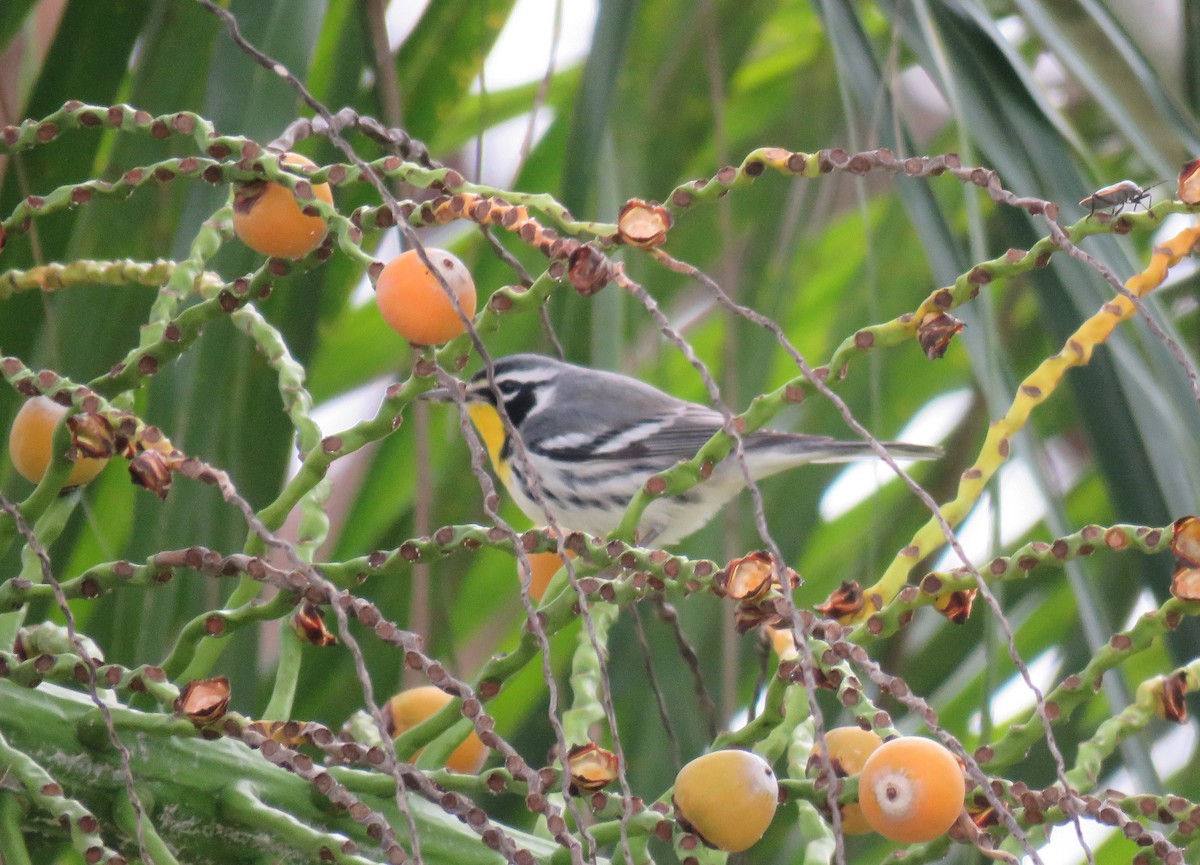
{"points": [[442, 57], [1102, 57]]}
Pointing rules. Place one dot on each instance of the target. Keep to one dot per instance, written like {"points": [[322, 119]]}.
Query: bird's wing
{"points": [[664, 437], [643, 424]]}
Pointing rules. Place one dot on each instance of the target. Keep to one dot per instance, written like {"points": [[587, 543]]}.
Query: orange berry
{"points": [[911, 789], [728, 798], [269, 219], [414, 303], [543, 567], [411, 707], [30, 439], [783, 642], [849, 748]]}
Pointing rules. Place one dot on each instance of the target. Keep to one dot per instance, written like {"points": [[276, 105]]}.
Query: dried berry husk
{"points": [[1172, 692], [588, 270], [1188, 190], [204, 701], [935, 332], [1185, 541], [92, 435], [309, 624], [1185, 583], [643, 224], [748, 578], [956, 606], [152, 470], [591, 767], [846, 600]]}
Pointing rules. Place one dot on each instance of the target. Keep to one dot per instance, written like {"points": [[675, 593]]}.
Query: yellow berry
{"points": [[911, 789], [727, 798], [414, 303], [411, 707], [29, 443], [269, 219], [849, 748]]}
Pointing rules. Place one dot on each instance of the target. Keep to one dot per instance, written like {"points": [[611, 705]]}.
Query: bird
{"points": [[593, 438]]}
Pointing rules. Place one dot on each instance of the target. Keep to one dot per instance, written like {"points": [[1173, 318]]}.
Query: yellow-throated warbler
{"points": [[593, 439]]}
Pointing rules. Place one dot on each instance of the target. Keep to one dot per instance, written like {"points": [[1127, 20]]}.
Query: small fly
{"points": [[1118, 196]]}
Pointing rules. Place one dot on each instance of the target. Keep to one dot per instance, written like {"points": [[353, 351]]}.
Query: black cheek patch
{"points": [[519, 405]]}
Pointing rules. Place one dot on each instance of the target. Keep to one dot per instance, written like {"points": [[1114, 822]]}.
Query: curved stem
{"points": [[126, 817], [12, 839], [49, 526], [283, 693]]}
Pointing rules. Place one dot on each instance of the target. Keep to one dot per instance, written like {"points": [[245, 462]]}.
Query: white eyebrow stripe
{"points": [[520, 377], [527, 376]]}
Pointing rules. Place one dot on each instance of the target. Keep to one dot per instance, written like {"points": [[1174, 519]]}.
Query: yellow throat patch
{"points": [[491, 430]]}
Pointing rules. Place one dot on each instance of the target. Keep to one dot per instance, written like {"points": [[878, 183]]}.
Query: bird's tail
{"points": [[794, 448], [847, 451]]}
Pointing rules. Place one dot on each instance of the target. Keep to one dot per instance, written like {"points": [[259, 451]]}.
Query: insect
{"points": [[1117, 196]]}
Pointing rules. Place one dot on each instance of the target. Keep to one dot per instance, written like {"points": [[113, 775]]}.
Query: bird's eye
{"points": [[508, 386]]}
